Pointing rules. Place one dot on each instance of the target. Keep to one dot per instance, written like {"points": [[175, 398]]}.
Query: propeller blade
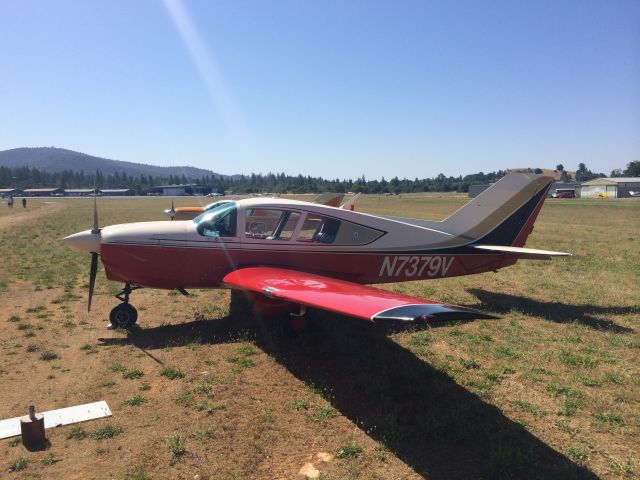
{"points": [[96, 228], [173, 210], [92, 277]]}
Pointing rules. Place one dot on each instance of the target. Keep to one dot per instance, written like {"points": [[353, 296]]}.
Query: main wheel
{"points": [[123, 316], [296, 325]]}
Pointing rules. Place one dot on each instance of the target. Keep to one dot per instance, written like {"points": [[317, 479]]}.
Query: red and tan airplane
{"points": [[289, 255]]}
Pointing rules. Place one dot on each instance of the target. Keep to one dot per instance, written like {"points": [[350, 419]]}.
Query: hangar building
{"points": [[610, 187]]}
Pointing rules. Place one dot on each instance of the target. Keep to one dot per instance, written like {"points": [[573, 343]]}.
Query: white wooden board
{"points": [[62, 416]]}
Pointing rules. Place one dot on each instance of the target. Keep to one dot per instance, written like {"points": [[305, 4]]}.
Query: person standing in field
{"points": [[10, 201], [24, 203]]}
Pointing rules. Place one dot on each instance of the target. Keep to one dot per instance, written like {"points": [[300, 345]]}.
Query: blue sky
{"points": [[326, 88]]}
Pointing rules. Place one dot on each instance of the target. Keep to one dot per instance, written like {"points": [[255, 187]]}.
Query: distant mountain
{"points": [[54, 160]]}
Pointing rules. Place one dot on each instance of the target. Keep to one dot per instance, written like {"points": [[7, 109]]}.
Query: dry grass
{"points": [[551, 390]]}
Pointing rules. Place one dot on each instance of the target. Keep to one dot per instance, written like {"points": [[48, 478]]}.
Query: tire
{"points": [[123, 316], [294, 326]]}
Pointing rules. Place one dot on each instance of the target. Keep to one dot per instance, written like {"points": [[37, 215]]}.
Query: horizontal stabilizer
{"points": [[350, 202], [344, 297], [526, 253]]}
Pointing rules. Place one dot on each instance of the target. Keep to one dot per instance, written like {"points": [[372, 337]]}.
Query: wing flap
{"points": [[525, 253], [343, 297]]}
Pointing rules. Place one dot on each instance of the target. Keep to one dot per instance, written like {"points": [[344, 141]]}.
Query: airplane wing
{"points": [[524, 253], [343, 297]]}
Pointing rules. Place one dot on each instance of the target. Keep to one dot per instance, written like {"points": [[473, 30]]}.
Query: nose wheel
{"points": [[124, 315]]}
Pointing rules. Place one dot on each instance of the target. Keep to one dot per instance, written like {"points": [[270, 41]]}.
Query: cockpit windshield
{"points": [[219, 221]]}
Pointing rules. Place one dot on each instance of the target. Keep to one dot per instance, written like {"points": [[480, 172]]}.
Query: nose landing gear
{"points": [[124, 315]]}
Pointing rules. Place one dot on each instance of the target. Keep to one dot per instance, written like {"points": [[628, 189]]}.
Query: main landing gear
{"points": [[295, 324], [124, 315]]}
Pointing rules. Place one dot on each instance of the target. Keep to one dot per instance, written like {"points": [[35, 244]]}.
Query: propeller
{"points": [[94, 255], [172, 212]]}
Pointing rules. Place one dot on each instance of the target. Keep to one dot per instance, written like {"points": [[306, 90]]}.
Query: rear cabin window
{"points": [[270, 224], [321, 229]]}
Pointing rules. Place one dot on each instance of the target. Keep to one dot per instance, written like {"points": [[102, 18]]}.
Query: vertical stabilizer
{"points": [[504, 213]]}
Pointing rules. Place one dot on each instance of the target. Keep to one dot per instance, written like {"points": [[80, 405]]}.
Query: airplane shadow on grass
{"points": [[586, 315], [422, 415]]}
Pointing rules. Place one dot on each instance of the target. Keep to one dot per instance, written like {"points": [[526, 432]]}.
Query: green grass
{"points": [[506, 352], [19, 465], [614, 378], [205, 433], [77, 433], [300, 405], [51, 459], [48, 355], [172, 373], [106, 432], [138, 476], [578, 455], [529, 408], [241, 362], [421, 339], [609, 418], [576, 360], [118, 367], [133, 374], [176, 447], [322, 415], [246, 350], [135, 400], [586, 381], [88, 349], [349, 450]]}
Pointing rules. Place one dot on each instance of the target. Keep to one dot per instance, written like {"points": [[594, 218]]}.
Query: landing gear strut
{"points": [[124, 315]]}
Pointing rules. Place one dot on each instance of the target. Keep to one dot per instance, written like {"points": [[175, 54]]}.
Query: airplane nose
{"points": [[87, 241]]}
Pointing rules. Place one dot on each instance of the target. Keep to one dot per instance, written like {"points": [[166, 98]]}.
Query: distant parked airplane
{"points": [[188, 213]]}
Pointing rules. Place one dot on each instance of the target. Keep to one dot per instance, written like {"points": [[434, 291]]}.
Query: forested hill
{"points": [[56, 160]]}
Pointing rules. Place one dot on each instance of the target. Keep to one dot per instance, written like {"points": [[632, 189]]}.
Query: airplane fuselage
{"points": [[365, 249]]}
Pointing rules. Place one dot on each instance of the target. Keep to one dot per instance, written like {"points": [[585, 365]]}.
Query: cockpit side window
{"points": [[220, 221]]}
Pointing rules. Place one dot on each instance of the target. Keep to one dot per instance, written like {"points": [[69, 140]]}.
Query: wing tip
{"points": [[424, 313]]}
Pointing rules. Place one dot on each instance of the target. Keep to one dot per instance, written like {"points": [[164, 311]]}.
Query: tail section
{"points": [[503, 214]]}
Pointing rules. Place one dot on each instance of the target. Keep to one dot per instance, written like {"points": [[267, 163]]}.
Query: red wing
{"points": [[343, 297]]}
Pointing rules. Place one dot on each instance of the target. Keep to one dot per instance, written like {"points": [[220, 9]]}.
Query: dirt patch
{"points": [[22, 214]]}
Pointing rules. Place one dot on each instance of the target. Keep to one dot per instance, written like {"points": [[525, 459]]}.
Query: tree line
{"points": [[29, 177]]}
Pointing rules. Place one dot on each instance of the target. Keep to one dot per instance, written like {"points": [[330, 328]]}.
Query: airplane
{"points": [[188, 213], [287, 255]]}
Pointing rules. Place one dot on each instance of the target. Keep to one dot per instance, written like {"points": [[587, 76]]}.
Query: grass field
{"points": [[550, 390]]}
